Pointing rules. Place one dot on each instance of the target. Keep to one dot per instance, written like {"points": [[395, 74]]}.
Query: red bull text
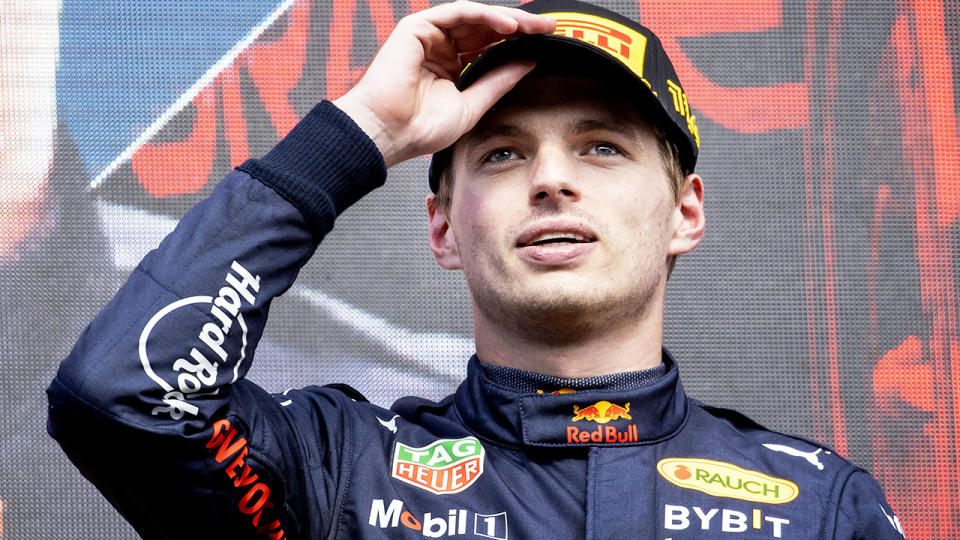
{"points": [[602, 412]]}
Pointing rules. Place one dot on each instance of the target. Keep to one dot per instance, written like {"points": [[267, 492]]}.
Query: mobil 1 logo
{"points": [[452, 522]]}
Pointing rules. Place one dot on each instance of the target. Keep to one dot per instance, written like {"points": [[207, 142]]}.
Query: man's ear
{"points": [[688, 218], [442, 242]]}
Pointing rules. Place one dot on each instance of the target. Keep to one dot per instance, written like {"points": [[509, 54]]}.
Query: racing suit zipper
{"points": [[593, 462]]}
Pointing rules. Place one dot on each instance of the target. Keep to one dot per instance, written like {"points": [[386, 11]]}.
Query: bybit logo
{"points": [[679, 518]]}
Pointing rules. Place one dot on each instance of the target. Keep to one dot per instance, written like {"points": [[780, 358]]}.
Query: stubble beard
{"points": [[566, 314]]}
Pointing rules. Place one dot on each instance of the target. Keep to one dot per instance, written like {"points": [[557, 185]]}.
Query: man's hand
{"points": [[406, 101]]}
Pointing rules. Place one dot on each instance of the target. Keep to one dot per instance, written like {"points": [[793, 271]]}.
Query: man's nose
{"points": [[555, 176]]}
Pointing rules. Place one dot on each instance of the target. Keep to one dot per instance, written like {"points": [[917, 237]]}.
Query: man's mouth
{"points": [[556, 242], [556, 231], [555, 238]]}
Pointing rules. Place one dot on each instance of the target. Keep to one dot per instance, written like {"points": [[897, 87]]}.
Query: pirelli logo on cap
{"points": [[628, 45]]}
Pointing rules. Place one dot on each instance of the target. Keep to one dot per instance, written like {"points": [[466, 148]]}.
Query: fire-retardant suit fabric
{"points": [[152, 406]]}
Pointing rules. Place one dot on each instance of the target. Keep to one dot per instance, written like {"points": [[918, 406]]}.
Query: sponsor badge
{"points": [[444, 467]]}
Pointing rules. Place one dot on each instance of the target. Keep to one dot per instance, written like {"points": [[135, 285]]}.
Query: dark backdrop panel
{"points": [[822, 301]]}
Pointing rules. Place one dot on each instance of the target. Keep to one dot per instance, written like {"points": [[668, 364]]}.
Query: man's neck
{"points": [[630, 346]]}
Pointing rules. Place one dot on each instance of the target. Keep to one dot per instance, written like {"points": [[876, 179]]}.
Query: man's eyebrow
{"points": [[484, 132], [593, 124]]}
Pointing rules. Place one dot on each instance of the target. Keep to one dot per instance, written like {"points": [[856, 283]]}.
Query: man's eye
{"points": [[603, 149], [500, 155]]}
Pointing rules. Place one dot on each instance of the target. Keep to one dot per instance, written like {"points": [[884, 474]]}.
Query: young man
{"points": [[565, 197]]}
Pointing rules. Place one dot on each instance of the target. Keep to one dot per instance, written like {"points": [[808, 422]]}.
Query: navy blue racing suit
{"points": [[153, 408]]}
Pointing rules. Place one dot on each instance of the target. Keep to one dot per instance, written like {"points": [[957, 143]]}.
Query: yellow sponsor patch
{"points": [[625, 43], [722, 479]]}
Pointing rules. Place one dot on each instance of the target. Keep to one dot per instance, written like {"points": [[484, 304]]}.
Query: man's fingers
{"points": [[464, 12], [449, 30], [492, 86], [474, 38], [502, 20], [439, 50], [530, 23]]}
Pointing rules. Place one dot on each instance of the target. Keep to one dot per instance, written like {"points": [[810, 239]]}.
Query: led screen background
{"points": [[822, 301]]}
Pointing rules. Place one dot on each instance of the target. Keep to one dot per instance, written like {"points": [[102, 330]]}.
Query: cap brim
{"points": [[558, 53], [544, 49]]}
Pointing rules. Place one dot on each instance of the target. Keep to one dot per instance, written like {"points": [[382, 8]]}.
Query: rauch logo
{"points": [[727, 480], [444, 467]]}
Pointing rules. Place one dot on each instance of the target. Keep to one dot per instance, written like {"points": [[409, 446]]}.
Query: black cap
{"points": [[588, 33]]}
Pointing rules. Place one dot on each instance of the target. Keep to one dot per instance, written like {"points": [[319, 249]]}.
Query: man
{"points": [[565, 197]]}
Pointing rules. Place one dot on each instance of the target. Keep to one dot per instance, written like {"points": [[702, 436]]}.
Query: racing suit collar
{"points": [[597, 417], [528, 381]]}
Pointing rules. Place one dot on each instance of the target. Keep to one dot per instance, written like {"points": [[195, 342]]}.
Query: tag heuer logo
{"points": [[444, 467]]}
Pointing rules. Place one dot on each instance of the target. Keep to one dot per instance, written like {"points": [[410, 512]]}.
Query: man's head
{"points": [[568, 202]]}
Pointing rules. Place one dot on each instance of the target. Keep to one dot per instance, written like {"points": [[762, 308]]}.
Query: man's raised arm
{"points": [[151, 404]]}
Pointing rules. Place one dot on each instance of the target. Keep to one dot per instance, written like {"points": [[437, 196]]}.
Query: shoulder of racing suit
{"points": [[753, 438], [855, 497]]}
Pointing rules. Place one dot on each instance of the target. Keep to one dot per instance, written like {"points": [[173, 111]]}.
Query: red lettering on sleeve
{"points": [[228, 448], [256, 495], [218, 428], [231, 469]]}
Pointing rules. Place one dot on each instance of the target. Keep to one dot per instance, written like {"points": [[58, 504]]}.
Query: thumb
{"points": [[493, 85]]}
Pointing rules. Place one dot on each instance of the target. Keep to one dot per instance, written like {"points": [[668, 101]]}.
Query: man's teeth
{"points": [[557, 237]]}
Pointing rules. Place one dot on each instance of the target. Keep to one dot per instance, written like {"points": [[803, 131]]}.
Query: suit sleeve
{"points": [[152, 405], [863, 513]]}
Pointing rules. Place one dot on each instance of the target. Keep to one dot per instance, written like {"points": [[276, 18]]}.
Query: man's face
{"points": [[561, 209]]}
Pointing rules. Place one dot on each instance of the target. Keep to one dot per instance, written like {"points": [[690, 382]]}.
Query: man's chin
{"points": [[559, 310]]}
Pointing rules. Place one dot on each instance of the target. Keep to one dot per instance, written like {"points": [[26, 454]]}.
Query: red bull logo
{"points": [[602, 412]]}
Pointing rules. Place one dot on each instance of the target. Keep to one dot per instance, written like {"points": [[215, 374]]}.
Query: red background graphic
{"points": [[917, 382], [823, 301]]}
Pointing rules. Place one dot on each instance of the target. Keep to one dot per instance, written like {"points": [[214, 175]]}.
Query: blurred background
{"points": [[823, 301]]}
